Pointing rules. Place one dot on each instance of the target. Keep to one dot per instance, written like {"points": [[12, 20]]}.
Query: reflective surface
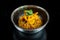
{"points": [[17, 35]]}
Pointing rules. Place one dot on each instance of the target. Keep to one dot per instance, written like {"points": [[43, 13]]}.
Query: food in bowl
{"points": [[29, 20]]}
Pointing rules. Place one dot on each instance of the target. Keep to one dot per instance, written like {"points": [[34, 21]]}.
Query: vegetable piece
{"points": [[29, 12]]}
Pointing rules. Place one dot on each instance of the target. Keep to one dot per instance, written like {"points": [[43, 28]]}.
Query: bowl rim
{"points": [[21, 29]]}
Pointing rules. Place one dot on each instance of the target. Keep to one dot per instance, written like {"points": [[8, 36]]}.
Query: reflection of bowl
{"points": [[20, 10]]}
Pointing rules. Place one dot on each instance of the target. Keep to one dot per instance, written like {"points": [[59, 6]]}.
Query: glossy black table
{"points": [[17, 35]]}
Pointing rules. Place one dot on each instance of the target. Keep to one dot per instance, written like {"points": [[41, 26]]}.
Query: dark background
{"points": [[7, 6]]}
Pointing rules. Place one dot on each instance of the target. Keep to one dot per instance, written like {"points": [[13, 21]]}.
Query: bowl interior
{"points": [[20, 12]]}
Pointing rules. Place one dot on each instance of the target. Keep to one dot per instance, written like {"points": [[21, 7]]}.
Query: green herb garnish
{"points": [[29, 12]]}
